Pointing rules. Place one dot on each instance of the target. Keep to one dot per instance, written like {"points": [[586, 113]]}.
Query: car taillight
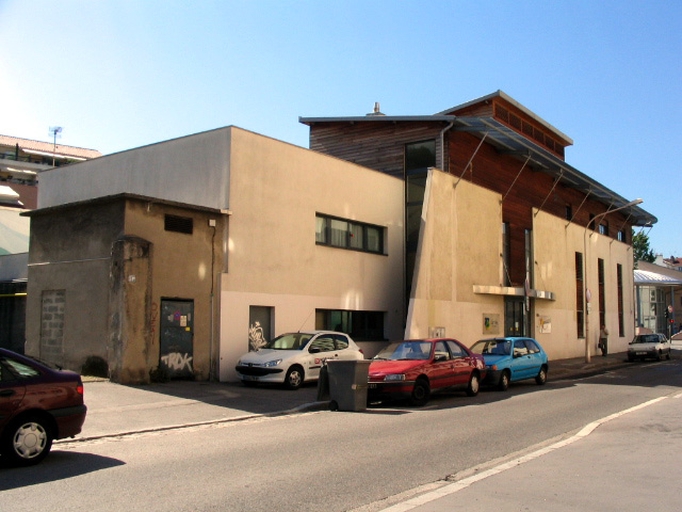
{"points": [[80, 389]]}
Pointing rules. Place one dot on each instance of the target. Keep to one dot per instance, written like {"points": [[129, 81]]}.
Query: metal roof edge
{"points": [[378, 118], [501, 94], [643, 277]]}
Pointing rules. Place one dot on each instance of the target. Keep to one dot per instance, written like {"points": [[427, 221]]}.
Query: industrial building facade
{"points": [[467, 223]]}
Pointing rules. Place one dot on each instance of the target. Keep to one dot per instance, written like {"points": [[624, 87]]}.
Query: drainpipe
{"points": [[442, 145]]}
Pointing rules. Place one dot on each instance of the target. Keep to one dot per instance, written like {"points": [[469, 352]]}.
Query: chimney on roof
{"points": [[377, 110]]}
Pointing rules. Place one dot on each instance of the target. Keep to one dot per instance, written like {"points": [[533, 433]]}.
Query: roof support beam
{"points": [[517, 177], [556, 182], [589, 192], [485, 135]]}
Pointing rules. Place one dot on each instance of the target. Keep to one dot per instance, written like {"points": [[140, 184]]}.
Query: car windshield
{"points": [[492, 347], [405, 350], [646, 338], [289, 341]]}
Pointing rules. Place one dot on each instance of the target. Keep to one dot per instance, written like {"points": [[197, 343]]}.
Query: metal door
{"points": [[177, 338], [515, 318]]}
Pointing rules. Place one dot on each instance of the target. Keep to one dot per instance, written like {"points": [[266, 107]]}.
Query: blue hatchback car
{"points": [[511, 359]]}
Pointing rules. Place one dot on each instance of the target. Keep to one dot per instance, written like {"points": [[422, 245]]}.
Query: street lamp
{"points": [[588, 294]]}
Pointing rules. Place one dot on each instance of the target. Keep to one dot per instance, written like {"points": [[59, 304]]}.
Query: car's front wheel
{"points": [[474, 385], [420, 393], [294, 377], [27, 441], [541, 377], [503, 384]]}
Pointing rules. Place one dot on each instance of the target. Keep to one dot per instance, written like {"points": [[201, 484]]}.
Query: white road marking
{"points": [[454, 487]]}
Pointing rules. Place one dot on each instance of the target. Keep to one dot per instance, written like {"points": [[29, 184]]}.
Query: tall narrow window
{"points": [[602, 294], [506, 253], [579, 295], [621, 314], [420, 155]]}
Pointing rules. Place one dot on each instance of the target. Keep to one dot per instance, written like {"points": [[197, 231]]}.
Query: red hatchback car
{"points": [[414, 369], [37, 405]]}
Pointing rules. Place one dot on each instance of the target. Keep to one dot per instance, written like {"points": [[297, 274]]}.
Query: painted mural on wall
{"points": [[256, 338]]}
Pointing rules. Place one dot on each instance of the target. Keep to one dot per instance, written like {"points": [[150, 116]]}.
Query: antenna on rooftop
{"points": [[55, 131]]}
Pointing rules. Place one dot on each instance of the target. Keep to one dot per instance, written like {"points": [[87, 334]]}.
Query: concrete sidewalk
{"points": [[115, 410]]}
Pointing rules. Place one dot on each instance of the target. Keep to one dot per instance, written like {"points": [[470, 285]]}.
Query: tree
{"points": [[640, 248]]}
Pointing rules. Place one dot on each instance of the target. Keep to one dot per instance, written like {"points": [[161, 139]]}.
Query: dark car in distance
{"points": [[38, 404]]}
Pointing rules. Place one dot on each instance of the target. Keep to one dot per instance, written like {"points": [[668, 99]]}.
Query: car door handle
{"points": [[7, 392]]}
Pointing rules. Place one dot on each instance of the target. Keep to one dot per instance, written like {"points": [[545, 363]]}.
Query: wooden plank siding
{"points": [[376, 145], [519, 121], [381, 146]]}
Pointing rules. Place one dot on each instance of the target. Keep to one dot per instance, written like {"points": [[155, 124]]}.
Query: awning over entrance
{"points": [[645, 277], [510, 291]]}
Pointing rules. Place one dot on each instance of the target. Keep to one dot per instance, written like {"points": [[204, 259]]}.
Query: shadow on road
{"points": [[59, 465]]}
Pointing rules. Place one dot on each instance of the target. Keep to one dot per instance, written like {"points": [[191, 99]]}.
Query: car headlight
{"points": [[395, 376], [272, 363]]}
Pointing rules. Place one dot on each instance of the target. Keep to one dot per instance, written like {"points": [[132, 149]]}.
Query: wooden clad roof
{"points": [[507, 125]]}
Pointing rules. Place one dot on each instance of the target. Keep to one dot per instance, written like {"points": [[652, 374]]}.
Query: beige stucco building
{"points": [[503, 236], [466, 224], [162, 256]]}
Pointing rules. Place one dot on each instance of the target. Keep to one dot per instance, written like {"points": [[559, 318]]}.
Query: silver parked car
{"points": [[296, 357], [655, 346]]}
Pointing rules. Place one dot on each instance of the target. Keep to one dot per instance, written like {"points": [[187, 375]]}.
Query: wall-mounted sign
{"points": [[491, 323]]}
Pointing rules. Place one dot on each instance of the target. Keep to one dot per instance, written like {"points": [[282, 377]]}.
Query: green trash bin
{"points": [[348, 384]]}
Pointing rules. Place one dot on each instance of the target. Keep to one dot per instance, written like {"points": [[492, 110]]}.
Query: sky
{"points": [[120, 74]]}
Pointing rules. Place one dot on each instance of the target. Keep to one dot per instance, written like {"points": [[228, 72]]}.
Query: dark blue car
{"points": [[511, 359]]}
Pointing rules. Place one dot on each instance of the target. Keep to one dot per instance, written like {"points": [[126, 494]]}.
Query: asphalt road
{"points": [[384, 457], [627, 462]]}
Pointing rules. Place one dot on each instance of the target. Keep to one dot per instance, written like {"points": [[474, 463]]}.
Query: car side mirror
{"points": [[315, 350]]}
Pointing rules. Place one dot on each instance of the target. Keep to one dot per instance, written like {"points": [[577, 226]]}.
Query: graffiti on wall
{"points": [[178, 362], [256, 338]]}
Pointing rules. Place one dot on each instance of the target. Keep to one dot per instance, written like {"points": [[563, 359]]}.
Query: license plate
{"points": [[250, 377], [372, 386], [640, 353]]}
